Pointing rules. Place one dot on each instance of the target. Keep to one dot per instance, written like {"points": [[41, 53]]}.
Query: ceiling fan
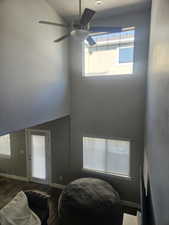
{"points": [[82, 28]]}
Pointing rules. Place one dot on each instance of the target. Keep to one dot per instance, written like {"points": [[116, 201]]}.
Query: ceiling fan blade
{"points": [[87, 16], [54, 24], [105, 29], [90, 40], [62, 38]]}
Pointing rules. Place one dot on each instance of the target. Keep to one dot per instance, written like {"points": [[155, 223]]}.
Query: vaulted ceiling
{"points": [[69, 9]]}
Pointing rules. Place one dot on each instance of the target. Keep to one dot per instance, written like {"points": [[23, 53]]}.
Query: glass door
{"points": [[38, 152], [38, 156]]}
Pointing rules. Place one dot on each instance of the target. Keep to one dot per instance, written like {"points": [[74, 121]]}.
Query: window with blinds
{"points": [[113, 54], [107, 156], [5, 146]]}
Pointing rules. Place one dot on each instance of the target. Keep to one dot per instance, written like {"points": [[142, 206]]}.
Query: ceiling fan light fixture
{"points": [[80, 34], [82, 30]]}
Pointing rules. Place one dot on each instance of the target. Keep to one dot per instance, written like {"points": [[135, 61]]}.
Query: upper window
{"points": [[113, 54], [107, 156], [126, 54], [5, 146]]}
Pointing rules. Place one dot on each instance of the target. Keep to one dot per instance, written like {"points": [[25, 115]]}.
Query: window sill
{"points": [[108, 76], [97, 172], [5, 156]]}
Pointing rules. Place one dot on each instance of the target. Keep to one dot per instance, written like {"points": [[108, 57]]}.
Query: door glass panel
{"points": [[38, 156]]}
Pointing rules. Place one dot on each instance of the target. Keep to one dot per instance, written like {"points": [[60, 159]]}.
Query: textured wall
{"points": [[157, 143], [111, 106], [34, 86]]}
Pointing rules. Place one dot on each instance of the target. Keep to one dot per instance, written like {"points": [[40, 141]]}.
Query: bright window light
{"points": [[38, 157], [126, 54], [5, 146], [113, 54], [107, 156]]}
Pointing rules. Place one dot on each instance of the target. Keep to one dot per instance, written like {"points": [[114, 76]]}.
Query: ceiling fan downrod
{"points": [[80, 8]]}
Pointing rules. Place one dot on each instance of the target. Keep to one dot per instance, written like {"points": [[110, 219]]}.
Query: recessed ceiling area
{"points": [[69, 9]]}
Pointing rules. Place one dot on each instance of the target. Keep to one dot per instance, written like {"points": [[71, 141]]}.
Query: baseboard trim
{"points": [[14, 177], [59, 186], [62, 186]]}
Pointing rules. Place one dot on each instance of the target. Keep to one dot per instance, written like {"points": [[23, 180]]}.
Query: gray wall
{"points": [[60, 149], [157, 138], [111, 106], [34, 84], [16, 165], [60, 144]]}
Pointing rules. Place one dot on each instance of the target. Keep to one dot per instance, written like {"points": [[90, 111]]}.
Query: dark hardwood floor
{"points": [[10, 187]]}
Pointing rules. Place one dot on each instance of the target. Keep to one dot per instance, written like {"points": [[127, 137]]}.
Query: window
{"points": [[107, 156], [5, 146], [113, 54], [126, 54]]}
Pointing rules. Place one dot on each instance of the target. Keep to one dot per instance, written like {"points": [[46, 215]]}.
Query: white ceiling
{"points": [[68, 9]]}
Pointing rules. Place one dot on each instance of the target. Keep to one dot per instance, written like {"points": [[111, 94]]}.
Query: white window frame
{"points": [[47, 134], [6, 156], [123, 176], [110, 75]]}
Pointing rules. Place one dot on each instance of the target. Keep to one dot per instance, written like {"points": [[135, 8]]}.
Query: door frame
{"points": [[47, 134]]}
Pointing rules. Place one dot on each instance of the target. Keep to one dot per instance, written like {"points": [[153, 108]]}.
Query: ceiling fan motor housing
{"points": [[80, 34]]}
